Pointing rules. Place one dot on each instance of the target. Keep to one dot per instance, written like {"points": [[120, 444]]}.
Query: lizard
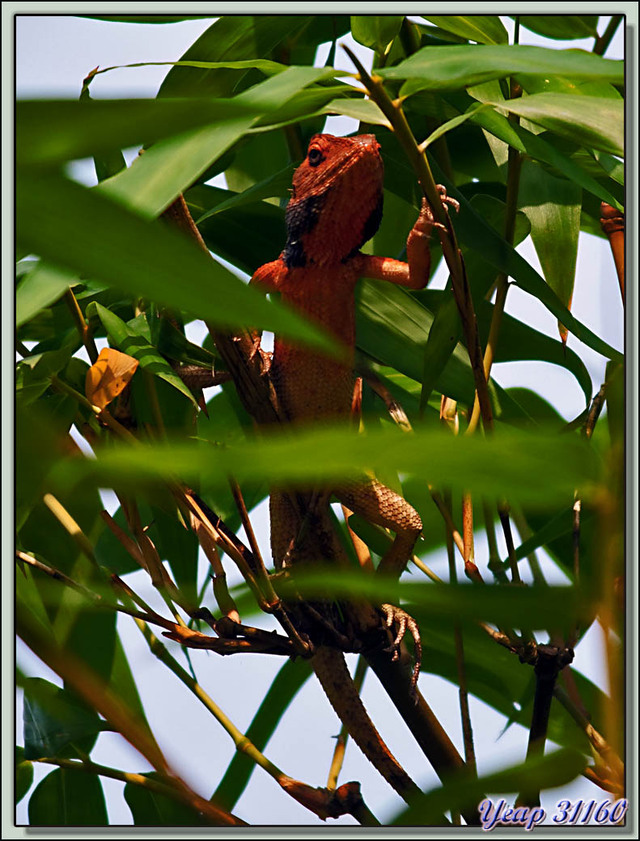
{"points": [[334, 209]]}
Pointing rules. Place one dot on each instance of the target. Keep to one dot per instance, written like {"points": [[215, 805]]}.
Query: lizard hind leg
{"points": [[384, 507]]}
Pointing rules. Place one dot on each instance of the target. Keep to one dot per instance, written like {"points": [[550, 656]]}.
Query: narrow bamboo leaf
{"points": [[226, 233], [107, 163], [544, 606], [179, 546], [449, 125], [54, 718], [157, 178], [68, 798], [558, 526], [520, 342], [561, 27], [451, 68], [66, 223], [485, 29], [303, 106], [149, 808], [549, 771], [274, 186], [364, 110], [393, 327], [615, 402], [589, 120], [40, 288], [282, 691], [538, 408], [122, 680], [24, 774], [229, 38], [50, 132], [540, 148], [266, 66], [443, 338], [375, 31], [553, 208], [515, 464], [131, 341]]}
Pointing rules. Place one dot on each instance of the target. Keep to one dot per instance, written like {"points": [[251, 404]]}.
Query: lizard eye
{"points": [[315, 156]]}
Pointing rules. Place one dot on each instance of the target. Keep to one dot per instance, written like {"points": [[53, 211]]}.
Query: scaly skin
{"points": [[336, 206]]}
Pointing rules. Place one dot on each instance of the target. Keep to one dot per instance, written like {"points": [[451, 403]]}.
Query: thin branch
{"points": [[550, 661], [417, 158], [81, 324], [465, 715], [343, 736], [57, 576], [211, 814], [602, 41], [612, 223]]}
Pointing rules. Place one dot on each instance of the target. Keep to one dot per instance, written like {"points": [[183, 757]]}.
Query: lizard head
{"points": [[336, 202]]}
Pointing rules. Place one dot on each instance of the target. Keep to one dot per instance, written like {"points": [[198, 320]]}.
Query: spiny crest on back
{"points": [[336, 203]]}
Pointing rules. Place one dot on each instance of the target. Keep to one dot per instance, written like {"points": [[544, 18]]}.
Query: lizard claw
{"points": [[445, 199], [397, 616]]}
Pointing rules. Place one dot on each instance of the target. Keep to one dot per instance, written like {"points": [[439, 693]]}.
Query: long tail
{"points": [[331, 669]]}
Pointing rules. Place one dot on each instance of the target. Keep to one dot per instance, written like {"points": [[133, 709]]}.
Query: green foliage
{"points": [[243, 100]]}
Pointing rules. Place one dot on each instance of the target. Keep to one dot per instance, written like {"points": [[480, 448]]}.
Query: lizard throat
{"points": [[313, 237]]}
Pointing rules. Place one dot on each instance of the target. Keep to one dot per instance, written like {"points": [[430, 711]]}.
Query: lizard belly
{"points": [[311, 386]]}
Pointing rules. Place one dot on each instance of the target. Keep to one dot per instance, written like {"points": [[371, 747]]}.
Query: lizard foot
{"points": [[397, 616]]}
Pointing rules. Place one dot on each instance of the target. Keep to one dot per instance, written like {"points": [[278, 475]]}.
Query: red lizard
{"points": [[336, 207]]}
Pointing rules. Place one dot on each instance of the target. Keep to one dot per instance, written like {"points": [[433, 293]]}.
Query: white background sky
{"points": [[53, 54]]}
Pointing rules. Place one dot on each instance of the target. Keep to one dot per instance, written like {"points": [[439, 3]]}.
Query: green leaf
{"points": [[485, 29], [40, 288], [376, 31], [542, 607], [515, 463], [68, 798], [230, 38], [589, 120], [449, 125], [364, 110], [54, 718], [149, 808], [561, 27], [50, 132], [275, 185], [553, 208], [549, 771], [24, 774], [541, 148], [66, 223], [282, 691], [131, 341], [451, 68], [226, 233], [123, 683], [441, 343]]}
